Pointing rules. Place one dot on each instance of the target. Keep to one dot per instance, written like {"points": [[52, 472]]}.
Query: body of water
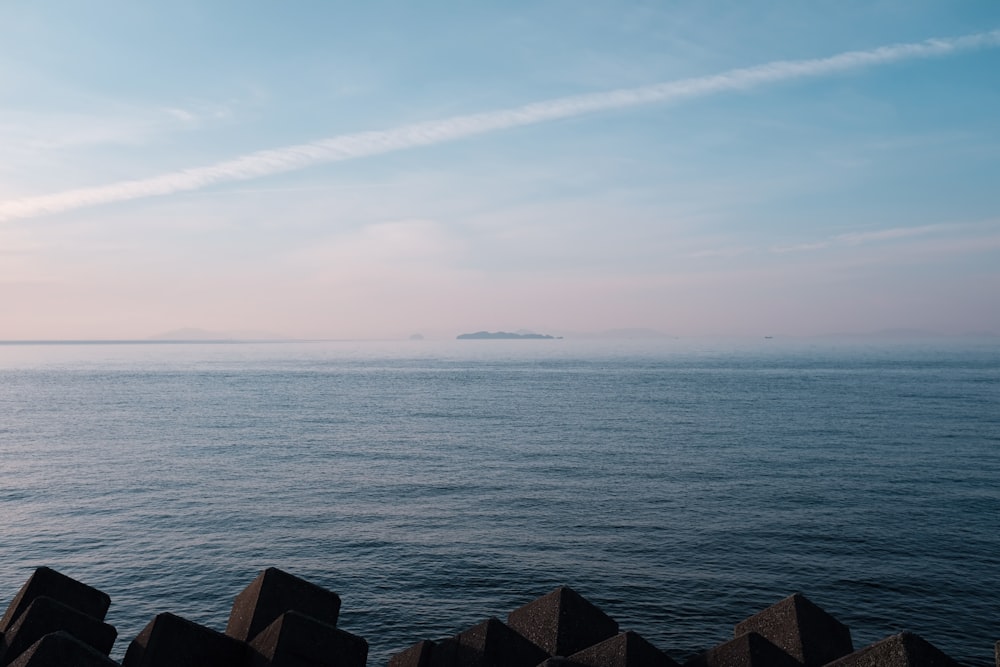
{"points": [[680, 486]]}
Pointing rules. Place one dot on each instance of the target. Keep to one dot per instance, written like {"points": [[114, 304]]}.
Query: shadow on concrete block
{"points": [[295, 639], [61, 649], [748, 650], [418, 655], [562, 622], [626, 649], [170, 641], [903, 650], [45, 615], [494, 644], [47, 582], [449, 653], [802, 629], [273, 593], [558, 661]]}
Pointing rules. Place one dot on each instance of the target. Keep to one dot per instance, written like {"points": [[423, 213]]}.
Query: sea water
{"points": [[679, 485]]}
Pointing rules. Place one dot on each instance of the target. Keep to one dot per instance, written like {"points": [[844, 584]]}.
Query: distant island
{"points": [[503, 335]]}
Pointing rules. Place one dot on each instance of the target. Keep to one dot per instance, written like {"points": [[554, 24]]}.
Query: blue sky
{"points": [[354, 170]]}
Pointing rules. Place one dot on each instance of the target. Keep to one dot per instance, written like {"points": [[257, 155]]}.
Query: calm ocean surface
{"points": [[681, 486]]}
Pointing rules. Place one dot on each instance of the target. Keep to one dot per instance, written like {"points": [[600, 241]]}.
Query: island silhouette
{"points": [[503, 335]]}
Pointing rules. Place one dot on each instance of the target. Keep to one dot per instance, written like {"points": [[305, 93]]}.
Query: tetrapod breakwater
{"points": [[281, 620]]}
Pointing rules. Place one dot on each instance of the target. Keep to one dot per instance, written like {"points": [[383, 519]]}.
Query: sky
{"points": [[380, 169]]}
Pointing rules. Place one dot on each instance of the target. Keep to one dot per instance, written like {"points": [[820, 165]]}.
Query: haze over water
{"points": [[680, 485]]}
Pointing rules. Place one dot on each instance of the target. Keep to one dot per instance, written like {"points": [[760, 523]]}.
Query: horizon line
{"points": [[898, 332]]}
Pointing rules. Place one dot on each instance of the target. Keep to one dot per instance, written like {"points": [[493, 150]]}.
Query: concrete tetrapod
{"points": [[562, 622]]}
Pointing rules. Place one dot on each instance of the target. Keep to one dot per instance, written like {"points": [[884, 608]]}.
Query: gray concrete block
{"points": [[273, 593], [626, 649], [801, 629], [558, 661], [443, 653], [562, 622], [45, 615], [295, 639], [418, 655], [61, 649], [748, 650], [903, 650], [494, 644], [449, 653], [47, 582], [171, 641]]}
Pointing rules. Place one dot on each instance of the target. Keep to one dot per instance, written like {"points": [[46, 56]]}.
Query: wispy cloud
{"points": [[856, 238], [801, 247], [361, 144], [875, 236]]}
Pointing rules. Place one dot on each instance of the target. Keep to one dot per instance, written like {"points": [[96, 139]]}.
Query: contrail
{"points": [[361, 144]]}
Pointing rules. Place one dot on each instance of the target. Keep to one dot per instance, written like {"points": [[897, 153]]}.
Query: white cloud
{"points": [[856, 238], [181, 114], [801, 247], [349, 146], [876, 236]]}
